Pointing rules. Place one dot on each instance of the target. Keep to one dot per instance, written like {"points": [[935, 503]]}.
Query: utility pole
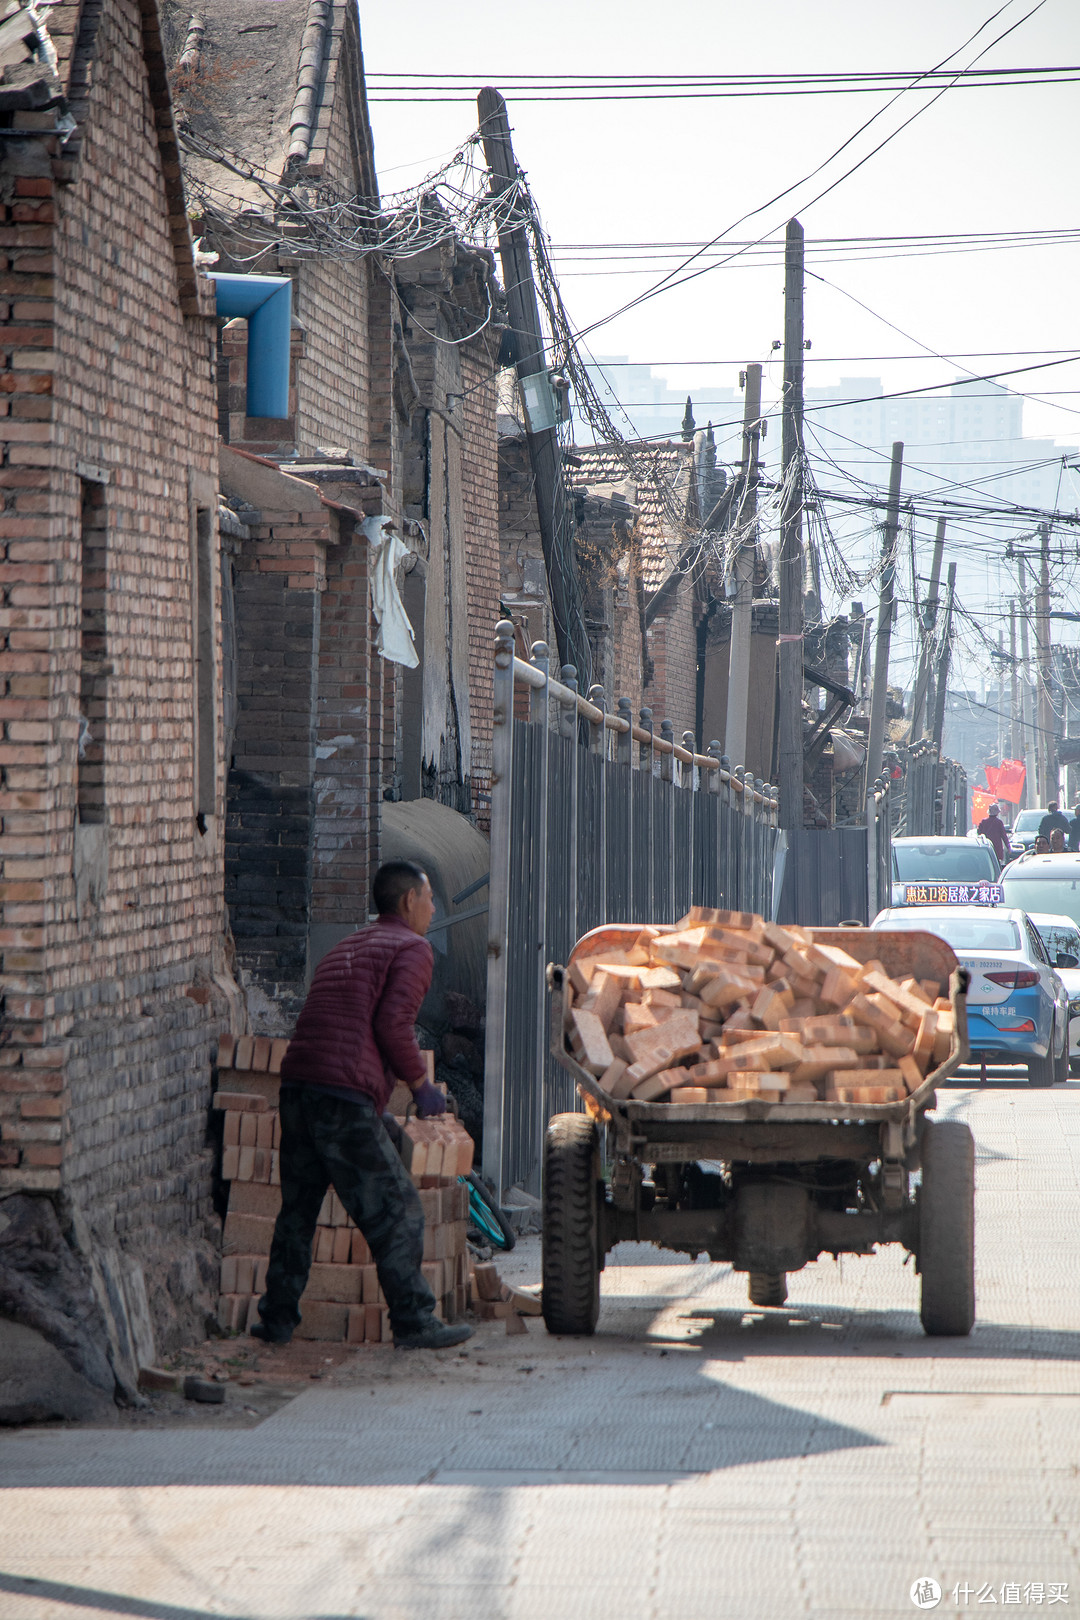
{"points": [[554, 511], [927, 620], [1016, 729], [879, 692], [1001, 716], [742, 607], [1031, 789], [789, 695], [942, 685], [1047, 740]]}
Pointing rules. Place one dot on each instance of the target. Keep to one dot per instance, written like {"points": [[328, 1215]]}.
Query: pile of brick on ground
{"points": [[343, 1300], [724, 1006]]}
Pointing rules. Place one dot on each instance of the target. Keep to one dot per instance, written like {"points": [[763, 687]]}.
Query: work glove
{"points": [[429, 1101]]}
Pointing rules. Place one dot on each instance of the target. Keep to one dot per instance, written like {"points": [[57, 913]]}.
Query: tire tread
{"points": [[571, 1259]]}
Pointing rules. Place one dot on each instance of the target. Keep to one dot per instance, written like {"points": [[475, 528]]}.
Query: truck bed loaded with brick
{"points": [[760, 1093]]}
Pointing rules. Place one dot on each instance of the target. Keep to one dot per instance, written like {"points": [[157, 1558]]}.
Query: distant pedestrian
{"points": [[1054, 818], [1057, 842], [1042, 845], [993, 829], [1074, 831], [353, 1038]]}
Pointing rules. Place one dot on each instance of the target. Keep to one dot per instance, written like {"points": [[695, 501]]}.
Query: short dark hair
{"points": [[1053, 805], [393, 881]]}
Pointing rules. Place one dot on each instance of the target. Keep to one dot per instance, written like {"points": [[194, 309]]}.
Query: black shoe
{"points": [[270, 1334], [436, 1336]]}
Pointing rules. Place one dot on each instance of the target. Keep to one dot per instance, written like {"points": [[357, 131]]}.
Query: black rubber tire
{"points": [[571, 1241], [767, 1287], [1040, 1071], [946, 1211], [1061, 1063]]}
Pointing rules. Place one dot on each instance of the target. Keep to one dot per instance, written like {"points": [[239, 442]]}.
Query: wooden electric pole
{"points": [[927, 621], [790, 687], [1016, 729], [1031, 783], [942, 685], [554, 510], [745, 521], [879, 692], [1047, 739]]}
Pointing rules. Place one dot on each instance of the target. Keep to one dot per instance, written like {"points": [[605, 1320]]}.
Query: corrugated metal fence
{"points": [[595, 818]]}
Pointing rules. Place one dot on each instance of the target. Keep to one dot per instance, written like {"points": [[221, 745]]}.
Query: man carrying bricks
{"points": [[354, 1036]]}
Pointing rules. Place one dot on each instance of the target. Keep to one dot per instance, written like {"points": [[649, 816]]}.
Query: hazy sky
{"points": [[634, 171]]}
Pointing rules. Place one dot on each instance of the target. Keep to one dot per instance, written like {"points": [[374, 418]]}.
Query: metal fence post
{"points": [[647, 766], [758, 811], [714, 785], [598, 746], [688, 784], [624, 754], [502, 759], [568, 727], [871, 856], [540, 717], [667, 776]]}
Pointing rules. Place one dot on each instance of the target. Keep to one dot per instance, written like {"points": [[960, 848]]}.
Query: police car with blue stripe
{"points": [[1017, 1006]]}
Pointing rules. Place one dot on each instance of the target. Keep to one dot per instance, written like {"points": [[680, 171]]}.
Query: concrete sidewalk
{"points": [[696, 1460]]}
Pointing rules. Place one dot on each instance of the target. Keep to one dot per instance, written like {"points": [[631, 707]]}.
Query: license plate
{"points": [[953, 894]]}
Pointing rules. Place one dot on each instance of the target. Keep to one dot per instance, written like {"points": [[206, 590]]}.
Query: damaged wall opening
{"points": [[205, 738], [93, 689]]}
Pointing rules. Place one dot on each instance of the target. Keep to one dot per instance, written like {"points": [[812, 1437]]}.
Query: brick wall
{"points": [[111, 928], [271, 780], [480, 500], [672, 636]]}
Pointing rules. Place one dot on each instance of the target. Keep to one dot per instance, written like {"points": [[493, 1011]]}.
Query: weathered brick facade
{"points": [[639, 562], [391, 411], [112, 793]]}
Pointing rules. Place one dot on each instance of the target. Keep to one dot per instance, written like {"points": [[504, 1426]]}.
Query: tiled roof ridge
{"points": [[309, 73]]}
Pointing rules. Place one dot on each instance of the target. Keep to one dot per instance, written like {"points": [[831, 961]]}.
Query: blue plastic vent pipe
{"points": [[266, 304]]}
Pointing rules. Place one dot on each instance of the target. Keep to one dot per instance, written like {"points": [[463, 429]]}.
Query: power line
{"points": [[669, 280]]}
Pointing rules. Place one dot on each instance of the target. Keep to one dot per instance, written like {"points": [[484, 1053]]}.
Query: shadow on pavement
{"points": [[648, 1424], [829, 1330], [88, 1597]]}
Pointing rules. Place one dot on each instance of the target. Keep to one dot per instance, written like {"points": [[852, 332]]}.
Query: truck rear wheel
{"points": [[767, 1287], [946, 1209], [571, 1243]]}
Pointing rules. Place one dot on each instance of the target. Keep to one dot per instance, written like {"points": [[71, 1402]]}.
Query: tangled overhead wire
{"points": [[310, 219]]}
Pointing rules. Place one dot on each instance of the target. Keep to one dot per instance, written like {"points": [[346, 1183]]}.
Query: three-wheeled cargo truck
{"points": [[765, 1186]]}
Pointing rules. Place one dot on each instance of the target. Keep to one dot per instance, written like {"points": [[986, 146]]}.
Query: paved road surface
{"points": [[697, 1460]]}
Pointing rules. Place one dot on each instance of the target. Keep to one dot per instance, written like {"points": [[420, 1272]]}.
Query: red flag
{"points": [[980, 805], [1010, 780], [993, 778]]}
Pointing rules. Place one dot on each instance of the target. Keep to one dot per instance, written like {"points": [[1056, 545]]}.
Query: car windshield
{"points": [[944, 863], [1060, 895], [1028, 821], [1056, 937], [988, 933]]}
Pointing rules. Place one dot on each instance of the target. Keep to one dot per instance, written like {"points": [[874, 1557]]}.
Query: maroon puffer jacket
{"points": [[356, 1028]]}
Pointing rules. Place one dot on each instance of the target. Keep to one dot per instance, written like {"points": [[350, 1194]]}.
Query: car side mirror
{"points": [[1065, 959]]}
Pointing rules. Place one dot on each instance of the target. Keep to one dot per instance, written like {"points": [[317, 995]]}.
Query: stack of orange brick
{"points": [[724, 1007], [343, 1300]]}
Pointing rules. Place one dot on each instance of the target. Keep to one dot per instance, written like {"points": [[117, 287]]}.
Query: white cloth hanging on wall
{"points": [[395, 640]]}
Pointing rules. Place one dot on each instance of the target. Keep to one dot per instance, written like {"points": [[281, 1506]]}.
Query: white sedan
{"points": [[1061, 937], [1018, 1008]]}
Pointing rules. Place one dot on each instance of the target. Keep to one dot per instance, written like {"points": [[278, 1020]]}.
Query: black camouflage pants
{"points": [[331, 1141]]}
